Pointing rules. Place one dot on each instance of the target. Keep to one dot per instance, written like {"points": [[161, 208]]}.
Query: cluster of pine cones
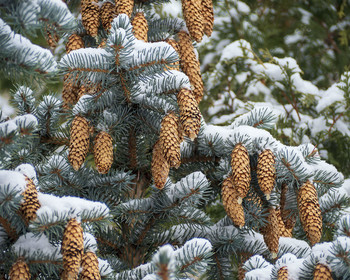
{"points": [[72, 248], [280, 221], [188, 121]]}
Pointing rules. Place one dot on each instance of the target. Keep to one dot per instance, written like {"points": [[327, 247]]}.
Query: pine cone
{"points": [[107, 14], [192, 12], [90, 16], [30, 203], [282, 273], [229, 199], [103, 152], [321, 272], [283, 231], [174, 65], [266, 172], [190, 64], [79, 141], [125, 7], [52, 38], [240, 165], [190, 117], [160, 166], [208, 16], [271, 232], [288, 217], [89, 264], [310, 212], [19, 270], [72, 249], [75, 42], [69, 92], [140, 27], [169, 139]]}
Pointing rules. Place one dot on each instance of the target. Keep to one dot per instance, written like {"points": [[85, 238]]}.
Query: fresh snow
{"points": [[15, 180]]}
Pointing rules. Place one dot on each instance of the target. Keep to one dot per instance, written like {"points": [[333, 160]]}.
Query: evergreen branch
{"points": [[195, 260], [200, 158], [11, 232], [45, 262], [216, 259]]}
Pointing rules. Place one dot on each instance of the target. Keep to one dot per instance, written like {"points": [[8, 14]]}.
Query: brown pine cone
{"points": [[107, 14], [321, 272], [72, 249], [90, 12], [283, 231], [75, 42], [190, 64], [140, 27], [271, 232], [19, 270], [69, 92], [103, 152], [174, 65], [89, 265], [190, 116], [240, 165], [266, 172], [169, 139], [30, 203], [52, 38], [79, 141], [192, 12], [160, 166], [208, 16], [282, 273], [125, 7], [229, 199], [288, 217], [310, 212]]}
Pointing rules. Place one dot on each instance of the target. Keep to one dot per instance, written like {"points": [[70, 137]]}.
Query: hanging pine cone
{"points": [[69, 92], [192, 12], [103, 152], [79, 141], [282, 273], [107, 14], [288, 217], [283, 231], [190, 64], [125, 7], [75, 42], [89, 265], [310, 212], [266, 172], [72, 249], [190, 116], [271, 232], [169, 139], [240, 165], [208, 16], [160, 166], [19, 270], [51, 38], [229, 199], [174, 65], [322, 272], [90, 16], [140, 27], [30, 203]]}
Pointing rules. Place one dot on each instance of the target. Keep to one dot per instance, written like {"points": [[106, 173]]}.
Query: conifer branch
{"points": [[11, 232]]}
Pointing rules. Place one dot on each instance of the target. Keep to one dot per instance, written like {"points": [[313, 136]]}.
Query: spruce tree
{"points": [[119, 176]]}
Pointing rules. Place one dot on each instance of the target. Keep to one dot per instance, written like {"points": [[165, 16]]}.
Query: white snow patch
{"points": [[15, 180]]}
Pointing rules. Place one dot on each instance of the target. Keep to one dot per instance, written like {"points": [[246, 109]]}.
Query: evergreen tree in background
{"points": [[120, 177]]}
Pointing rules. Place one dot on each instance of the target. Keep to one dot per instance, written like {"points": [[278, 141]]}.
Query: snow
{"points": [[55, 207], [82, 106], [26, 120], [5, 107], [294, 269], [321, 251], [104, 267], [296, 244], [27, 170], [330, 96], [294, 38], [257, 268], [15, 180], [33, 246], [8, 127], [172, 8], [90, 243], [236, 49]]}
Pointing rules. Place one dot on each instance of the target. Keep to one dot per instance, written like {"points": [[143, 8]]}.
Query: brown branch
{"points": [[11, 232], [334, 121], [292, 103], [108, 243], [44, 261], [287, 164], [200, 159], [219, 266], [196, 259]]}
